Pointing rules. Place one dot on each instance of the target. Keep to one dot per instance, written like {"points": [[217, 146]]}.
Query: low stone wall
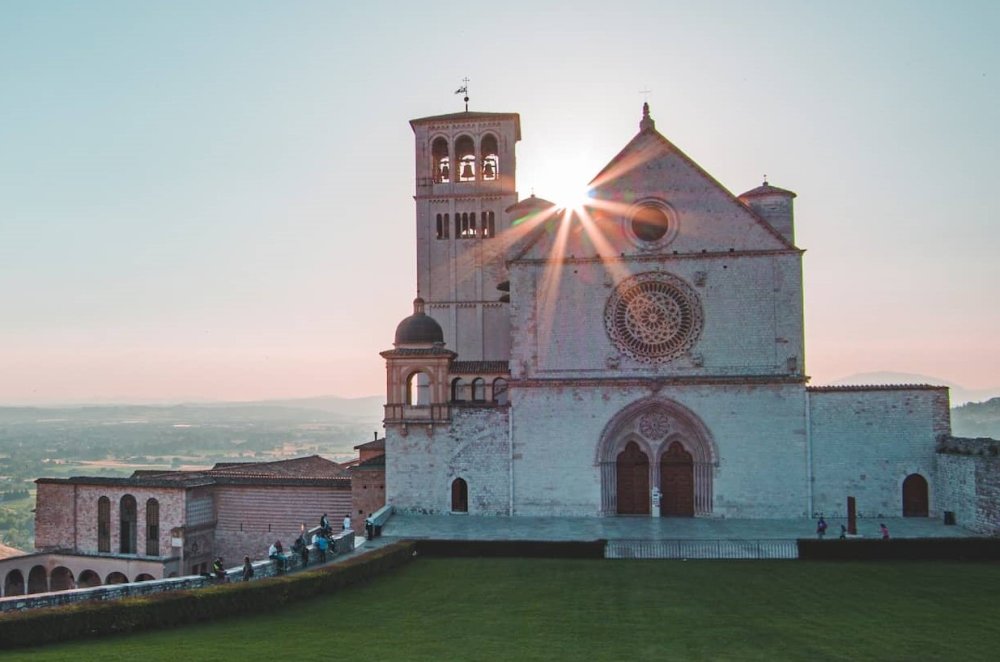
{"points": [[343, 543]]}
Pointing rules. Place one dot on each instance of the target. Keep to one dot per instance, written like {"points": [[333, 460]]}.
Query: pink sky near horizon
{"points": [[215, 201]]}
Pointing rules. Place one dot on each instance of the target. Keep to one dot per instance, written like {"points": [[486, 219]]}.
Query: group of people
{"points": [[821, 527], [321, 540]]}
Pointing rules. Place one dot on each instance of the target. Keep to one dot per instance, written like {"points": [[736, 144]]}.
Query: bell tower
{"points": [[465, 179]]}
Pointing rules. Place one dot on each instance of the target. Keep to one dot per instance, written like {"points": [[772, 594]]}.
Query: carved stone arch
{"points": [[657, 422]]}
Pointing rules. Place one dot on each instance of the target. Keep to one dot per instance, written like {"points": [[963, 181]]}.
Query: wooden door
{"points": [[915, 496], [633, 481], [459, 496], [677, 482]]}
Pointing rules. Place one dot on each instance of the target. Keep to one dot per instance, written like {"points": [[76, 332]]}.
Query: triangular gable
{"points": [[711, 219]]}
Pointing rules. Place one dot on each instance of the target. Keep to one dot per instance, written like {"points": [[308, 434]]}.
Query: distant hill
{"points": [[977, 419], [959, 394]]}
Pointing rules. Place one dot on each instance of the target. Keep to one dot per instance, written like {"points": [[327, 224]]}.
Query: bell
{"points": [[467, 171], [445, 173], [488, 171]]}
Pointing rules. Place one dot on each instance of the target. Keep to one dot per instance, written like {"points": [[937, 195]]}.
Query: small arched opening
{"points": [[465, 157], [459, 496], [13, 583], [459, 390], [491, 159], [915, 497], [440, 161], [152, 527], [479, 390], [116, 578], [128, 521], [418, 389], [62, 579], [500, 391], [104, 524], [38, 580], [88, 579], [144, 577], [443, 220]]}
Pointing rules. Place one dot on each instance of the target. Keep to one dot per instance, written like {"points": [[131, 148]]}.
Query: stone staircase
{"points": [[701, 549]]}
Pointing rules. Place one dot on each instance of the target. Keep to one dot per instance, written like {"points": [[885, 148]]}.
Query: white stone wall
{"points": [[955, 482], [420, 467], [757, 430], [752, 309], [866, 441]]}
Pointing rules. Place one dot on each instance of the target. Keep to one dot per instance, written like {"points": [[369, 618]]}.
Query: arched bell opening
{"points": [[440, 161], [491, 158], [465, 157]]}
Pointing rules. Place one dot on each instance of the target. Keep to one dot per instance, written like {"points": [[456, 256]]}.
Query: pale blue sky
{"points": [[214, 199]]}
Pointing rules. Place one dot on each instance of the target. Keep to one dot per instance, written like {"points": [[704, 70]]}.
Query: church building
{"points": [[640, 355]]}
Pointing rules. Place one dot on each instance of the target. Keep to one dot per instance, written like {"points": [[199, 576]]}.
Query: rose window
{"points": [[653, 317]]}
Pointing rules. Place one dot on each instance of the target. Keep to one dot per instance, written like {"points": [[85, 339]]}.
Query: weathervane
{"points": [[464, 90], [645, 95]]}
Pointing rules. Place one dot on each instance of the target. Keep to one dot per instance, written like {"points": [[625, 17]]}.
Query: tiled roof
{"points": [[480, 367], [376, 462], [312, 467], [766, 189], [7, 552], [375, 445]]}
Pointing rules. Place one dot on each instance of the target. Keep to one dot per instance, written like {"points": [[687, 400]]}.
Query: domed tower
{"points": [[417, 373], [465, 179], [774, 205]]}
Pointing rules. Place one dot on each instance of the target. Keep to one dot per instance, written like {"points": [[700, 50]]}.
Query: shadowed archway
{"points": [[658, 424]]}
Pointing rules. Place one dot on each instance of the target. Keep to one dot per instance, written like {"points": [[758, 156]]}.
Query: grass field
{"points": [[513, 609]]}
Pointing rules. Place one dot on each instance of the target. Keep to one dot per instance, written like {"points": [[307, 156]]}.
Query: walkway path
{"points": [[466, 527]]}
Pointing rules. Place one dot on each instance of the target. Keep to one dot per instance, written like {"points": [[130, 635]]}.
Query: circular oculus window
{"points": [[651, 224], [653, 317]]}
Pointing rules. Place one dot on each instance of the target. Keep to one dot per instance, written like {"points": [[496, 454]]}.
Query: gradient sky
{"points": [[214, 199]]}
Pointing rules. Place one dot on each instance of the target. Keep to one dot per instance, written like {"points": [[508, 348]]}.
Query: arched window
{"points": [[442, 226], [13, 583], [62, 579], [152, 527], [418, 389], [104, 524], [144, 577], [127, 519], [38, 580], [459, 496], [491, 162], [465, 225], [459, 390], [88, 579], [440, 161], [465, 156], [479, 390], [489, 224], [500, 391]]}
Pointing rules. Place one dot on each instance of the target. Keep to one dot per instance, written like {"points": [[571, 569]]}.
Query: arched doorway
{"points": [[632, 467], [88, 579], [677, 482], [915, 501], [654, 424], [13, 584], [459, 496]]}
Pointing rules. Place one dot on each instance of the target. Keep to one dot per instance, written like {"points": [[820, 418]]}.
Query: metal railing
{"points": [[702, 549]]}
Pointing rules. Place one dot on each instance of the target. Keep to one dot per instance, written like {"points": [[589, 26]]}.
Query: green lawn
{"points": [[512, 609]]}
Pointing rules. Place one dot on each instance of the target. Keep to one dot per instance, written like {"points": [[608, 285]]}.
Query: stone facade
{"points": [[654, 361], [968, 482]]}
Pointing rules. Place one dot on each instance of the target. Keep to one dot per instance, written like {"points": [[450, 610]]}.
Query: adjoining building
{"points": [[99, 530], [641, 355]]}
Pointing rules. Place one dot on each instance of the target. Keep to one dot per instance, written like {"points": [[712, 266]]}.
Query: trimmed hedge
{"points": [[901, 549], [513, 548], [166, 610]]}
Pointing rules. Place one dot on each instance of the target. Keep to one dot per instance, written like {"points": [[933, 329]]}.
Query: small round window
{"points": [[651, 224]]}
